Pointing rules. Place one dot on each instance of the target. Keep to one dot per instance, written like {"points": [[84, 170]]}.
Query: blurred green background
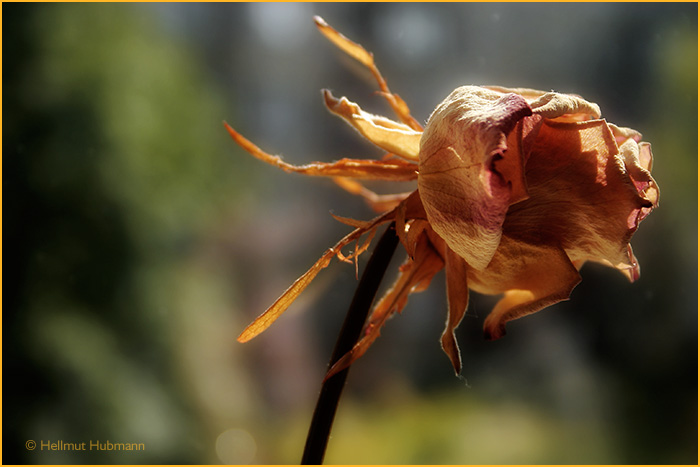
{"points": [[139, 240]]}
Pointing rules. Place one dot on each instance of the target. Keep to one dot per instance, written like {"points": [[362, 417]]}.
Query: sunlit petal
{"points": [[389, 135], [465, 196]]}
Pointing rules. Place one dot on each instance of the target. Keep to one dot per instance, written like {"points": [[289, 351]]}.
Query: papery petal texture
{"points": [[464, 194], [581, 194], [397, 138], [526, 186]]}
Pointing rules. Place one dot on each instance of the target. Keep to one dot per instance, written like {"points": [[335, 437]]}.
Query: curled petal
{"points": [[352, 222], [555, 105], [388, 169], [631, 269], [457, 300], [622, 134], [638, 159], [463, 148], [389, 135], [411, 223], [511, 166], [532, 276], [645, 157], [413, 234], [527, 93], [581, 195], [409, 227]]}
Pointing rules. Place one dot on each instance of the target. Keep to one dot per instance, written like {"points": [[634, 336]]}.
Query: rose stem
{"points": [[328, 399]]}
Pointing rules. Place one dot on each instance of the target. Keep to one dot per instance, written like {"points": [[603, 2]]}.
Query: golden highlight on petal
{"points": [[264, 321], [391, 136], [555, 105]]}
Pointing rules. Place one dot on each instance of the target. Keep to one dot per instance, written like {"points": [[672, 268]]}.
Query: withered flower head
{"points": [[517, 189]]}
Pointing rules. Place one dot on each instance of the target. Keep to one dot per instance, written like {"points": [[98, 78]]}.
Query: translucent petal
{"points": [[389, 135], [465, 195]]}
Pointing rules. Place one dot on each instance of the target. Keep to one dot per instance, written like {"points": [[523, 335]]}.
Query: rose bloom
{"points": [[516, 190]]}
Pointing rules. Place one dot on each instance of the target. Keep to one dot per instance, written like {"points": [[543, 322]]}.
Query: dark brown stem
{"points": [[332, 388]]}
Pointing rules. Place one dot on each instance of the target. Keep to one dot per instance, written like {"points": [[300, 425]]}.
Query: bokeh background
{"points": [[139, 240]]}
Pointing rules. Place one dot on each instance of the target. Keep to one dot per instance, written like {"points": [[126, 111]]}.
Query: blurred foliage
{"points": [[115, 173], [139, 241]]}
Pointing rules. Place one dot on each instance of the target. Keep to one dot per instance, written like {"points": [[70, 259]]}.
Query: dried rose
{"points": [[517, 189]]}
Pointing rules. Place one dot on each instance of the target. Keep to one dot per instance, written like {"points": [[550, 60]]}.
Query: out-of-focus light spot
{"points": [[414, 32], [236, 446], [281, 25]]}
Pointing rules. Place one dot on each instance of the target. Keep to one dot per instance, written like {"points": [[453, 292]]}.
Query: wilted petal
{"points": [[379, 203], [359, 53], [581, 196], [527, 93], [631, 270], [645, 156], [532, 277], [411, 222], [387, 169], [550, 105], [622, 134], [556, 105], [389, 135], [457, 300], [512, 165], [638, 159], [464, 194]]}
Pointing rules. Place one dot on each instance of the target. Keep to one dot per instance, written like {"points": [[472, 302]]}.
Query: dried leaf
{"points": [[389, 135], [391, 170], [379, 203], [457, 300], [359, 53], [263, 321], [414, 273]]}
